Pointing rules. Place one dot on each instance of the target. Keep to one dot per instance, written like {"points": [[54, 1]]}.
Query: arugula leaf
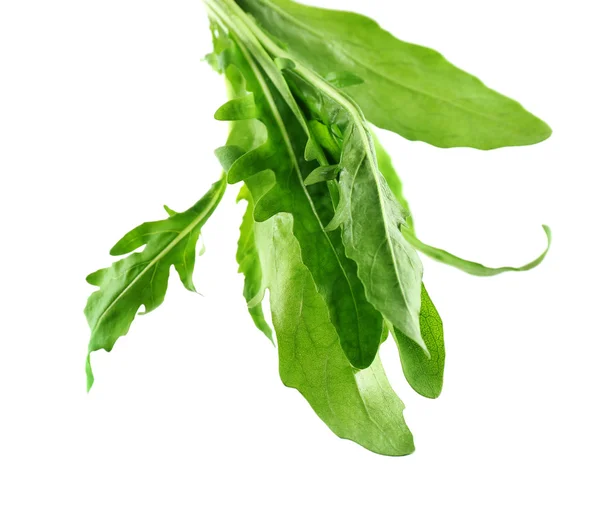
{"points": [[281, 158], [474, 268], [424, 374], [142, 277], [359, 405], [409, 89], [249, 264]]}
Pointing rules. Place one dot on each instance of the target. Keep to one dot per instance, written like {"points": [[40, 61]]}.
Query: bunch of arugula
{"points": [[326, 229]]}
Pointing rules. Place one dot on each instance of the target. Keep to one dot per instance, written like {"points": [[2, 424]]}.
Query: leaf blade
{"points": [[141, 278], [427, 98], [249, 265]]}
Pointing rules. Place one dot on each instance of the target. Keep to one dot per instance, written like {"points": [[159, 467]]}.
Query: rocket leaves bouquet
{"points": [[326, 230]]}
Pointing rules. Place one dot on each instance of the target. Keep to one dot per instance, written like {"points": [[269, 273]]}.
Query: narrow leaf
{"points": [[274, 172], [424, 374], [474, 268]]}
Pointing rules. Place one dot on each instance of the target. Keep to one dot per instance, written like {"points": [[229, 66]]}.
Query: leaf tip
{"points": [[88, 373]]}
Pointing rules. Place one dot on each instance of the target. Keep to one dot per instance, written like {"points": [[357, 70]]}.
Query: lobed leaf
{"points": [[141, 278]]}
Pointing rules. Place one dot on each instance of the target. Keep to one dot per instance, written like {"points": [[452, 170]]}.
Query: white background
{"points": [[106, 114]]}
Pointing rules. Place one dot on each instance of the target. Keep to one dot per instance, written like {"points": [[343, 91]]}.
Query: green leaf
{"points": [[474, 268], [359, 405], [343, 79], [424, 374], [141, 278], [282, 167], [409, 89], [249, 266]]}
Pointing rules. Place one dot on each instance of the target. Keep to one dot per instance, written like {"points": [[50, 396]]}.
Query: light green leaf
{"points": [[249, 266], [409, 89], [282, 167], [343, 79], [141, 278], [359, 405], [424, 374]]}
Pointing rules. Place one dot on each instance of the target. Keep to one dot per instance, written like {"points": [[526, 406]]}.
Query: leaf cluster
{"points": [[327, 230]]}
